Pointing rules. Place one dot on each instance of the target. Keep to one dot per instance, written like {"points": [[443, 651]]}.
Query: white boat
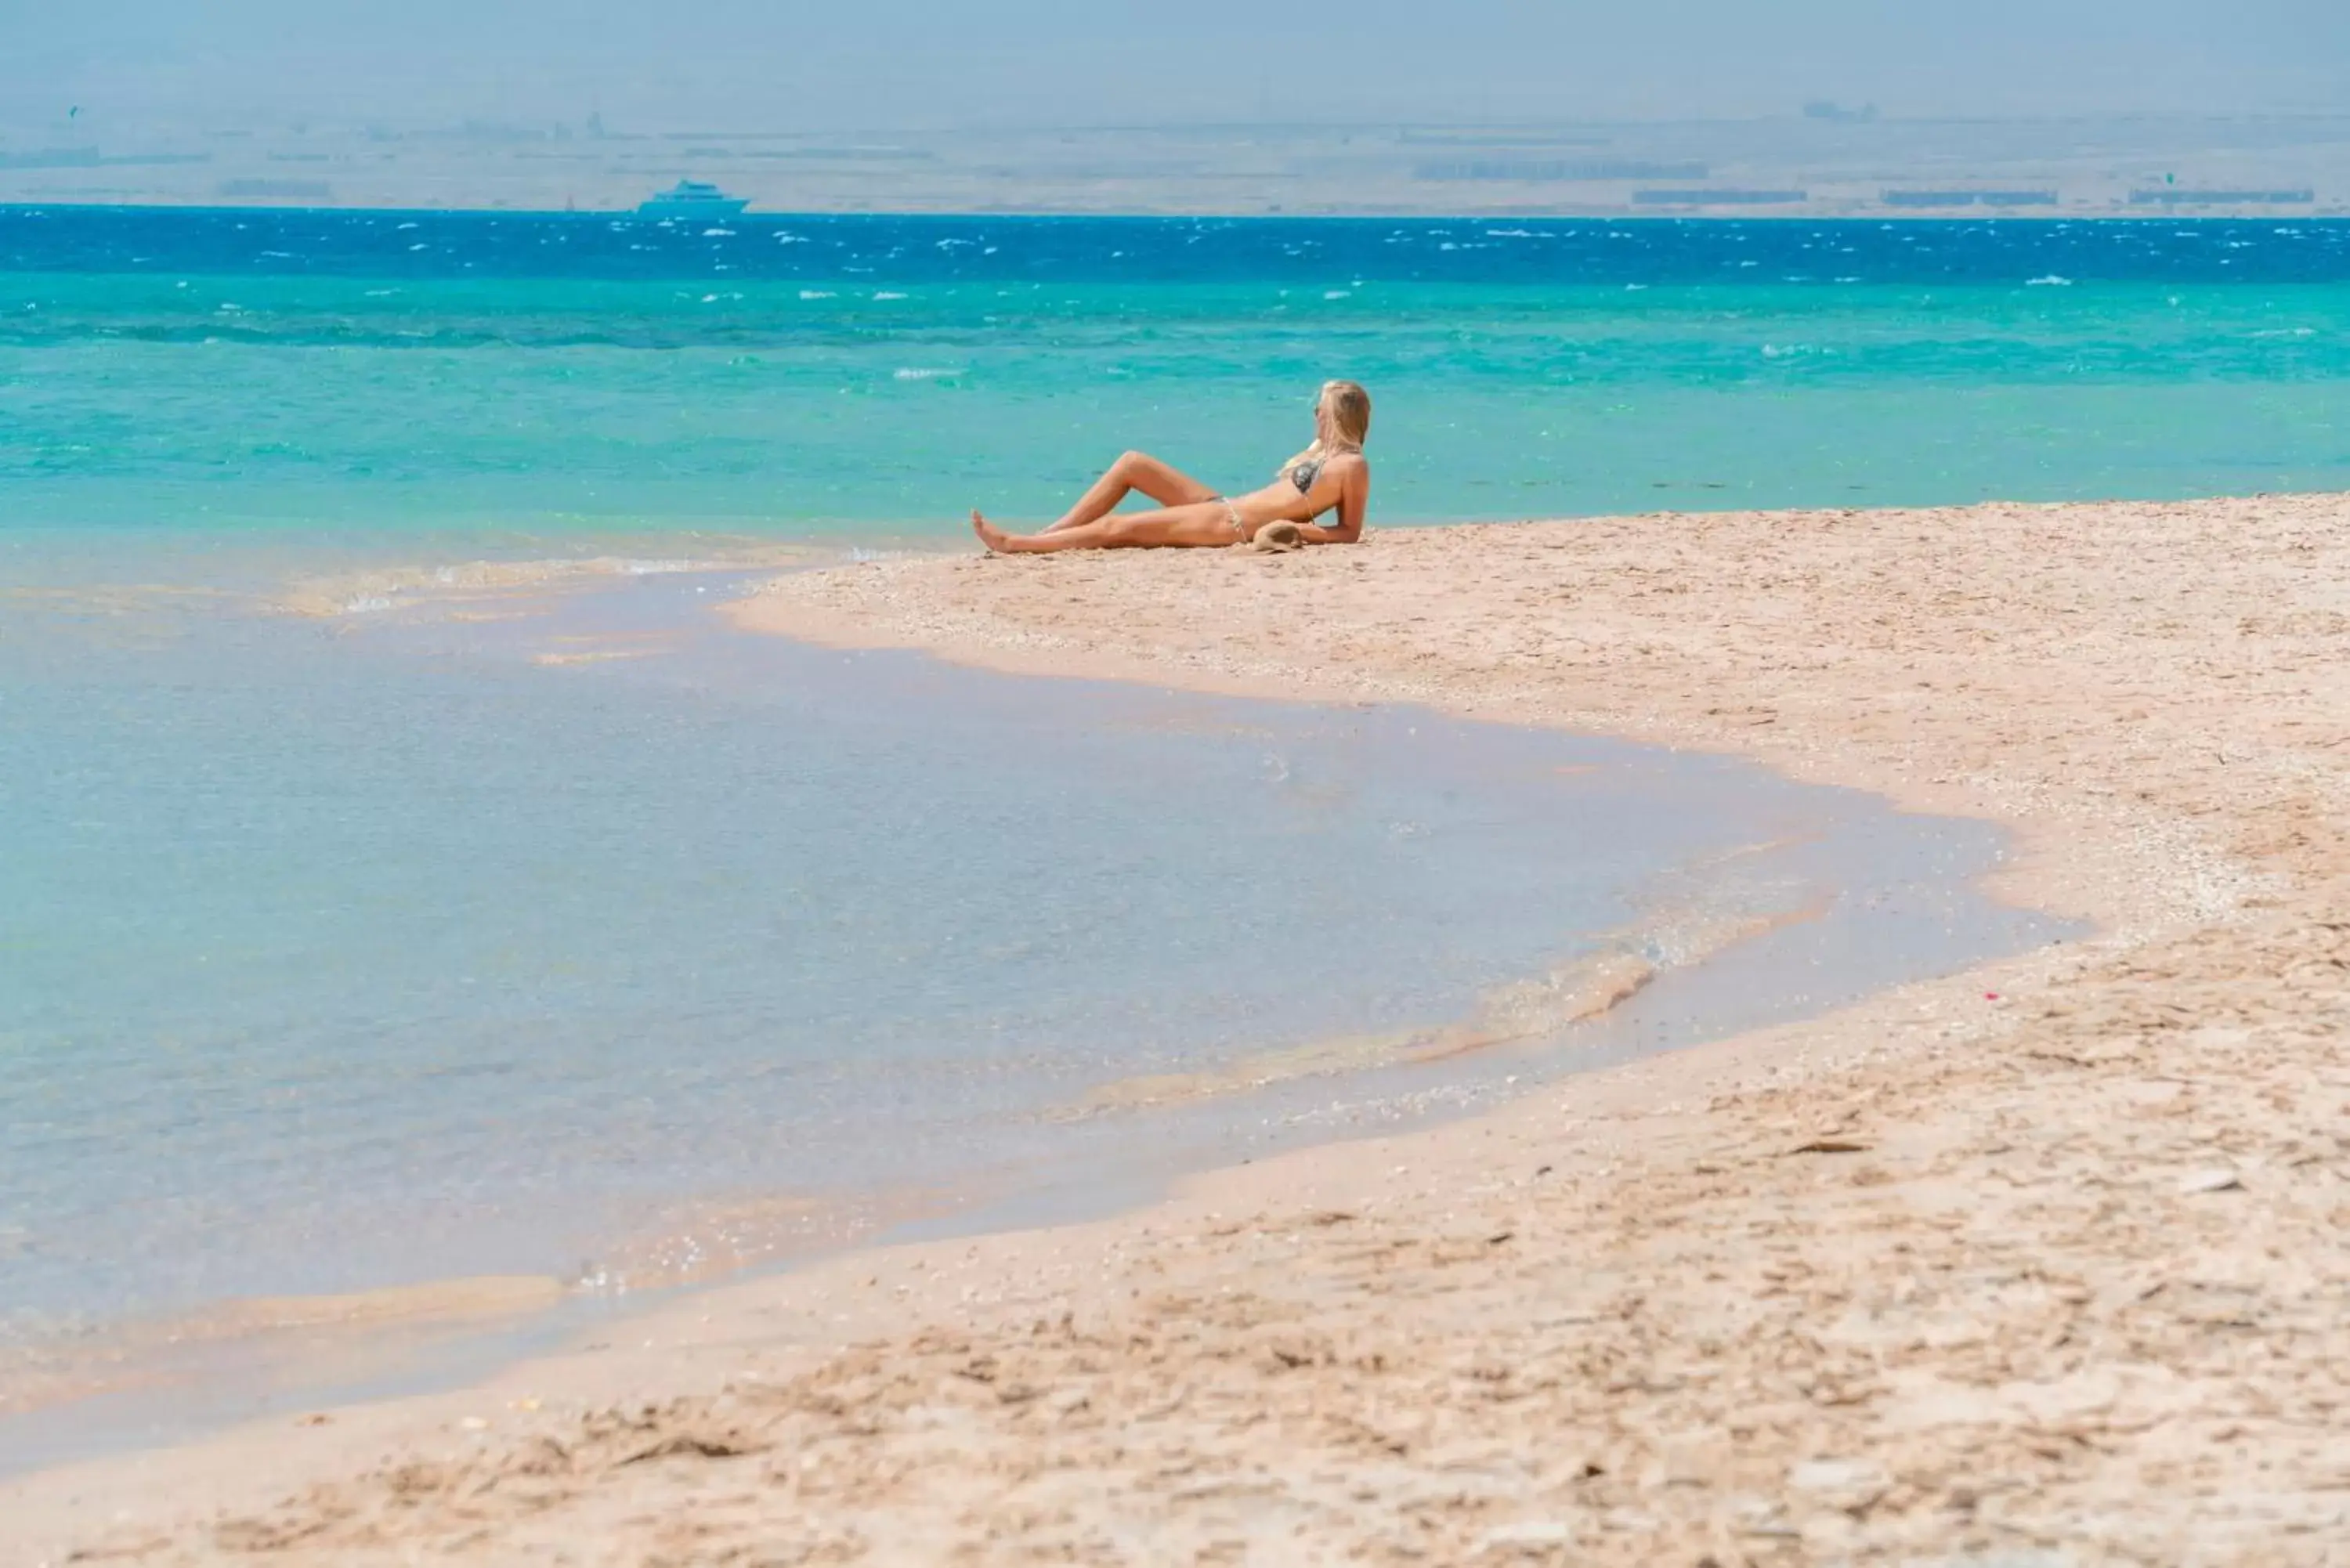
{"points": [[692, 199]]}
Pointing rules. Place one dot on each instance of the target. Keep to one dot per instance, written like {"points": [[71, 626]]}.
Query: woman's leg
{"points": [[1133, 470], [1208, 523]]}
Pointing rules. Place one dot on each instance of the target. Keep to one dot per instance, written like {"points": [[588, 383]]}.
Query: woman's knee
{"points": [[1130, 462]]}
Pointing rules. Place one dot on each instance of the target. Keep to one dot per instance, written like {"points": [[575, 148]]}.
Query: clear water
{"points": [[405, 944], [338, 958], [842, 377]]}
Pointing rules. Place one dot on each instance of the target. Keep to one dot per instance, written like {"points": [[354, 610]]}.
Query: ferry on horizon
{"points": [[692, 199]]}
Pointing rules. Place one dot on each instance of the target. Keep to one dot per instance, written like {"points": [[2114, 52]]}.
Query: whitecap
{"points": [[817, 293], [885, 294], [925, 372], [1338, 293], [2051, 281], [718, 234]]}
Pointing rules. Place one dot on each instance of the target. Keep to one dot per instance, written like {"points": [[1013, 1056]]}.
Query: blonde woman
{"points": [[1331, 475]]}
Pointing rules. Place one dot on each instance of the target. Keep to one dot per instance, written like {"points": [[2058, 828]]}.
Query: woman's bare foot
{"points": [[994, 539]]}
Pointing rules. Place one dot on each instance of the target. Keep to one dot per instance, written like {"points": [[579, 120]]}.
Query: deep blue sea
{"points": [[369, 915]]}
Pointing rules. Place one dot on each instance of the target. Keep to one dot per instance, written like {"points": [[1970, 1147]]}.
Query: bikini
{"points": [[1306, 476]]}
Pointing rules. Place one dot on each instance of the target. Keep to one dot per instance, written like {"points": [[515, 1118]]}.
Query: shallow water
{"points": [[574, 935]]}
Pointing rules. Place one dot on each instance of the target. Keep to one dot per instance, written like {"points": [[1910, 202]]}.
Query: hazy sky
{"points": [[789, 65]]}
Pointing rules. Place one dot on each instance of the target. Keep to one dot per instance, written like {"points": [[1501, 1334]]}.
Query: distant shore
{"points": [[1793, 206], [1813, 161], [2044, 1257]]}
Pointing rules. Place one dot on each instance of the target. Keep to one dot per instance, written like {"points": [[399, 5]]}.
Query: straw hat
{"points": [[1276, 537]]}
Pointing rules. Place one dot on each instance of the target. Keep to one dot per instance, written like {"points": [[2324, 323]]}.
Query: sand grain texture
{"points": [[2054, 1276]]}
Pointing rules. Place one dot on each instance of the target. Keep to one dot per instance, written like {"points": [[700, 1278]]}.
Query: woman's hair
{"points": [[1350, 411], [1350, 419]]}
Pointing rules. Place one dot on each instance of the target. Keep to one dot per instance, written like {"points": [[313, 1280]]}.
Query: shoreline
{"points": [[115, 1386], [858, 607], [1898, 1278]]}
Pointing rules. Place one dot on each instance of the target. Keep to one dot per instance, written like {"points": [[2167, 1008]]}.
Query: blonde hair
{"points": [[1350, 421], [1350, 411]]}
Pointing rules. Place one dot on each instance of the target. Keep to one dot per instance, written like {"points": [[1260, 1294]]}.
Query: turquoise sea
{"points": [[550, 928], [853, 379]]}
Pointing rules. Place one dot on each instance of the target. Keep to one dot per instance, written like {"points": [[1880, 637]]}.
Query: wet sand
{"points": [[2043, 1263]]}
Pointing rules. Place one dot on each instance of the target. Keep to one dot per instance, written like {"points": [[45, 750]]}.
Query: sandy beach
{"points": [[2045, 1264]]}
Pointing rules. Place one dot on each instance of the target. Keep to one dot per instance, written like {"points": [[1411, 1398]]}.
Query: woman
{"points": [[1328, 476]]}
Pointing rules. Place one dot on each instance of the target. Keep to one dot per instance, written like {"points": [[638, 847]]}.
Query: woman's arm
{"points": [[1354, 502]]}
